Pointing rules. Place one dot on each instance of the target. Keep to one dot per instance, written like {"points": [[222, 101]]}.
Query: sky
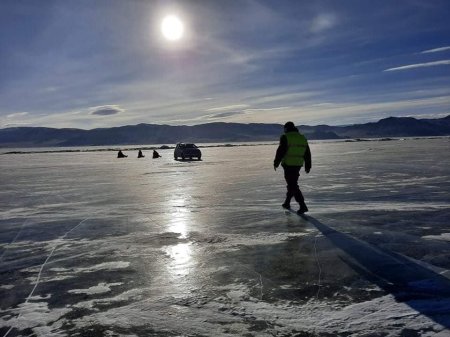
{"points": [[104, 63]]}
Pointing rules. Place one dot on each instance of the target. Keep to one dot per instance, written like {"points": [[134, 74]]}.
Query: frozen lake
{"points": [[91, 245]]}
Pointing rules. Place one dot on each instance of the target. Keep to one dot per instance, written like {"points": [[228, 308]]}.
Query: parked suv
{"points": [[187, 151]]}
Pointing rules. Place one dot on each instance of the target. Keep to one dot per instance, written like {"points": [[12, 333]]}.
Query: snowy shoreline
{"points": [[207, 145]]}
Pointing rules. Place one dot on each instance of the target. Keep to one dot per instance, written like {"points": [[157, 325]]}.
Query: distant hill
{"points": [[216, 132]]}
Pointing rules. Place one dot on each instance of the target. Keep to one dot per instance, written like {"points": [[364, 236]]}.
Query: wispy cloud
{"points": [[435, 50], [14, 119], [224, 112], [105, 110], [17, 114], [323, 22], [223, 115], [345, 112], [246, 114], [228, 107], [271, 97], [339, 113], [420, 65], [267, 109]]}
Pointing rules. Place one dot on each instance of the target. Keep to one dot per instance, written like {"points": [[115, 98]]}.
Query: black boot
{"points": [[303, 208], [301, 201], [286, 205]]}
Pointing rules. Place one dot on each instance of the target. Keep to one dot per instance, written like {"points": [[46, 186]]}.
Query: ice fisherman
{"points": [[140, 154], [156, 154], [293, 152], [121, 155]]}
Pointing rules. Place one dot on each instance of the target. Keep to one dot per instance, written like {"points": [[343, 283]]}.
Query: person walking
{"points": [[292, 153]]}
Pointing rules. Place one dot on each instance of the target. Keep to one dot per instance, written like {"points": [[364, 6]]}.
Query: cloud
{"points": [[17, 114], [13, 125], [420, 65], [244, 113], [344, 112], [225, 111], [323, 22], [276, 109], [105, 110], [14, 120], [224, 114], [228, 107], [436, 50]]}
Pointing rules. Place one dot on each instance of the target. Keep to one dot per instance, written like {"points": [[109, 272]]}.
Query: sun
{"points": [[172, 28]]}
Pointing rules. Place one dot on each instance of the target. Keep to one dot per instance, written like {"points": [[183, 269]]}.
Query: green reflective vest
{"points": [[297, 144]]}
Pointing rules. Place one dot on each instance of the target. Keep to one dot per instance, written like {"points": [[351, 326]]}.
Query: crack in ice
{"points": [[41, 269]]}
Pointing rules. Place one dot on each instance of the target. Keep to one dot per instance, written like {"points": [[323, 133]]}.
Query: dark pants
{"points": [[291, 174]]}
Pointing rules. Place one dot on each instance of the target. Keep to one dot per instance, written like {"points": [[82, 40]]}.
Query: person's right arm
{"points": [[281, 151]]}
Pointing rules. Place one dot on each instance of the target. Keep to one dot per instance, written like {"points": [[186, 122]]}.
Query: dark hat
{"points": [[289, 126]]}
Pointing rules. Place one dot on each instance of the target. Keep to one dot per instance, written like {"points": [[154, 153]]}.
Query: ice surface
{"points": [[91, 245]]}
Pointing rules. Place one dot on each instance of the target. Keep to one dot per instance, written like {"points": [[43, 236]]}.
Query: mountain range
{"points": [[216, 132]]}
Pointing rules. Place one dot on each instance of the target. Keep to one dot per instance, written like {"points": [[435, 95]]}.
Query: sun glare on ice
{"points": [[172, 28]]}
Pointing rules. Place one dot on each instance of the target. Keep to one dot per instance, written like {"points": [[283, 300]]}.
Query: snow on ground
{"points": [[91, 245], [442, 236]]}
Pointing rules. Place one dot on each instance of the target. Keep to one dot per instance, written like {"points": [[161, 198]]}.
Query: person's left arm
{"points": [[307, 159]]}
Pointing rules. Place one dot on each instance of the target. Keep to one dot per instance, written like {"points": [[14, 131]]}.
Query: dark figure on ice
{"points": [[292, 153], [140, 154], [156, 154], [121, 155]]}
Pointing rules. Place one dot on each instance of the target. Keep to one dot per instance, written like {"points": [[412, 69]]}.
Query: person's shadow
{"points": [[406, 280], [188, 159]]}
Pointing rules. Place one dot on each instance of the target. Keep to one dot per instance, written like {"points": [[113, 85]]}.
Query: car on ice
{"points": [[185, 150]]}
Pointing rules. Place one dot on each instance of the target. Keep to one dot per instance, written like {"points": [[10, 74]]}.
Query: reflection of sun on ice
{"points": [[172, 28], [179, 226], [181, 259], [180, 221]]}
